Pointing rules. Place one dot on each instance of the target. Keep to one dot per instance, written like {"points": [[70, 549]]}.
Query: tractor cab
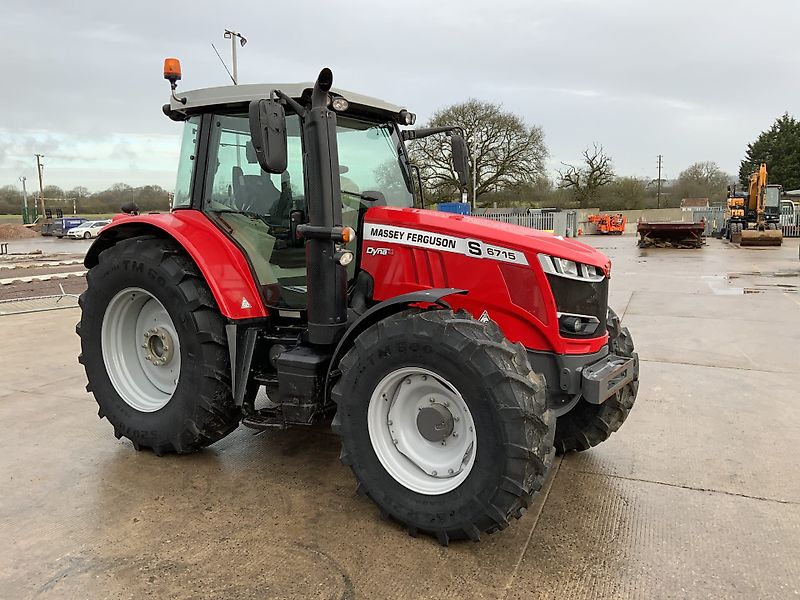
{"points": [[219, 174]]}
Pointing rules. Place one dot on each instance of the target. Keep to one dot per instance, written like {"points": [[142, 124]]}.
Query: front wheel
{"points": [[587, 424], [87, 235], [443, 423], [152, 343]]}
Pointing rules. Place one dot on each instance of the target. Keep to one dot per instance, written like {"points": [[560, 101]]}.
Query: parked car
{"points": [[62, 226], [87, 230]]}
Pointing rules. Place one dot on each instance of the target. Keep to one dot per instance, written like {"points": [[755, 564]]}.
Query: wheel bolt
{"points": [[424, 378], [455, 434], [390, 423], [394, 442], [407, 381], [450, 471], [444, 443], [455, 419], [433, 473]]}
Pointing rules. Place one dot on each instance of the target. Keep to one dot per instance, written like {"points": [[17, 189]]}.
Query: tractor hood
{"points": [[503, 235]]}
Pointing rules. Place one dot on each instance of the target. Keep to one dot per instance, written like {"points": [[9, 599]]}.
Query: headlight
{"points": [[340, 104], [570, 269]]}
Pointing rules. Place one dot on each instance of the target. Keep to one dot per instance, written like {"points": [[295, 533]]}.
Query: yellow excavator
{"points": [[761, 225]]}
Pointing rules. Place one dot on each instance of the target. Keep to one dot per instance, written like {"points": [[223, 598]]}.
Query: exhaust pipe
{"points": [[326, 278]]}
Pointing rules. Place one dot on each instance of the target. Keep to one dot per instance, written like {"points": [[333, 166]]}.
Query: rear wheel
{"points": [[153, 347], [587, 424], [443, 423]]}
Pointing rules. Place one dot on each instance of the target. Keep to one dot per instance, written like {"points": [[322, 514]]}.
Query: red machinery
{"points": [[609, 224], [454, 354]]}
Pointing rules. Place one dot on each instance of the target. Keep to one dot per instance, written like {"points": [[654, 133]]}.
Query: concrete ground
{"points": [[697, 496]]}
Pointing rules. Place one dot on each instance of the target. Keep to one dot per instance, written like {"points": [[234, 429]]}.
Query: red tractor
{"points": [[454, 355]]}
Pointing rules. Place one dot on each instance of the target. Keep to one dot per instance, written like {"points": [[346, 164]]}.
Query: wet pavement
{"points": [[697, 496], [48, 245]]}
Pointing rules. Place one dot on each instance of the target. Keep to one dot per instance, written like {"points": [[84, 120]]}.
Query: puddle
{"points": [[721, 285]]}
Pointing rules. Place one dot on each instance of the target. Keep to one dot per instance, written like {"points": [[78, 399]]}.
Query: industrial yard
{"points": [[698, 497]]}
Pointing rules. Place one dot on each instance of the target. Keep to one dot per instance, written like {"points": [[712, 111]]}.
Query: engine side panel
{"points": [[403, 254], [221, 262]]}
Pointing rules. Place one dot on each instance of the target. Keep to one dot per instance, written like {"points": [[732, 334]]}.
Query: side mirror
{"points": [[460, 158], [268, 133]]}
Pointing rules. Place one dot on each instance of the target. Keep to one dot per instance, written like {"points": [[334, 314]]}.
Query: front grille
{"points": [[577, 297]]}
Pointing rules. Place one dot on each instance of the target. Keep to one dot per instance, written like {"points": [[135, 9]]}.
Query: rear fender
{"points": [[222, 264]]}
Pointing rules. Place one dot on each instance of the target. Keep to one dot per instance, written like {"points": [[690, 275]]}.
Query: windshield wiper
{"points": [[247, 213], [369, 196]]}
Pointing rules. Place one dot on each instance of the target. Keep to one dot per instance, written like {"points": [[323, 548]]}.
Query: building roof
{"points": [[243, 94]]}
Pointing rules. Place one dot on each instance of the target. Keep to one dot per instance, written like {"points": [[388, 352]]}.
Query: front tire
{"points": [[587, 425], [87, 235], [466, 376], [153, 347]]}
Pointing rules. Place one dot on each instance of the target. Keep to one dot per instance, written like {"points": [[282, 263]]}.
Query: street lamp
{"points": [[232, 36]]}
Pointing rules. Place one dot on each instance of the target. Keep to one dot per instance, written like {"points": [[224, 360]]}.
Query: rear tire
{"points": [[587, 424], [197, 409], [490, 384]]}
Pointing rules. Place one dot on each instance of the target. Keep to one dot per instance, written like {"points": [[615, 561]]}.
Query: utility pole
{"points": [[39, 170], [658, 183], [232, 36], [474, 182], [26, 218]]}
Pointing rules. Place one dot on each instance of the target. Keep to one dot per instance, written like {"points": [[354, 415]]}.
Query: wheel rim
{"points": [[422, 431], [141, 349]]}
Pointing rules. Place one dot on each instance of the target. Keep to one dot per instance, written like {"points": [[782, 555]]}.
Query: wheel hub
{"points": [[422, 430], [141, 349], [158, 346], [435, 423]]}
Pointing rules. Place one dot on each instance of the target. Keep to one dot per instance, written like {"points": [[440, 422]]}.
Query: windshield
{"points": [[772, 196], [370, 160]]}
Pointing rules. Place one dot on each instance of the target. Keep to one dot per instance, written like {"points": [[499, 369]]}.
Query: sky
{"points": [[81, 81]]}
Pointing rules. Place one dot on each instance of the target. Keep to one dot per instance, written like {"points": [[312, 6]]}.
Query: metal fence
{"points": [[715, 219], [562, 223], [790, 220]]}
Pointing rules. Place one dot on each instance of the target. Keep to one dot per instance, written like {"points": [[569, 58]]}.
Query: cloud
{"points": [[641, 78]]}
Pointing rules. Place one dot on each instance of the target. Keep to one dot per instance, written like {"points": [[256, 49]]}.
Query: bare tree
{"points": [[507, 152], [585, 180]]}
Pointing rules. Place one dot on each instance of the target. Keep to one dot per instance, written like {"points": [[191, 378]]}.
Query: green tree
{"points": [[779, 147], [624, 193], [507, 151]]}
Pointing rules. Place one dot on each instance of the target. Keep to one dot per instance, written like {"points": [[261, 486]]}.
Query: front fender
{"points": [[221, 262], [381, 311]]}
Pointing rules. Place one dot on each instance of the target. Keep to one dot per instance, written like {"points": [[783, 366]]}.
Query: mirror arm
{"points": [[296, 107], [417, 134]]}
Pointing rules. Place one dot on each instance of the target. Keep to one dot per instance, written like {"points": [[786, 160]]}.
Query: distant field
{"points": [[18, 218]]}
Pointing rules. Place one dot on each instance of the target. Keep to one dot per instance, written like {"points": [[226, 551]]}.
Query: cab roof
{"points": [[228, 95]]}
